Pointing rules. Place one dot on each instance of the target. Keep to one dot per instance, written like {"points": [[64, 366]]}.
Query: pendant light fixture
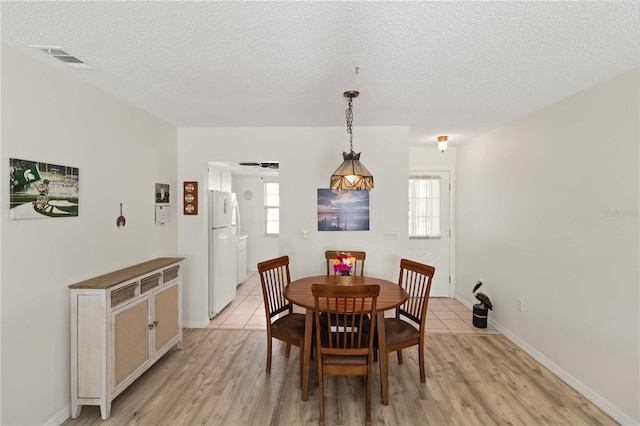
{"points": [[351, 174], [442, 143]]}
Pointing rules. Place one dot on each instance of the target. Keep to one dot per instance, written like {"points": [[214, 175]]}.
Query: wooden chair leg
{"points": [[320, 393], [318, 376], [423, 377], [399, 357], [288, 350], [368, 396], [268, 354], [301, 358]]}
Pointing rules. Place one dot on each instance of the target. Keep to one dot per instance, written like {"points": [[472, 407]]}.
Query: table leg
{"points": [[384, 358], [308, 331]]}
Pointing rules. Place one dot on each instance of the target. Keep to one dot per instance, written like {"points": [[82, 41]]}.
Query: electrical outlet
{"points": [[304, 233], [390, 235], [520, 304]]}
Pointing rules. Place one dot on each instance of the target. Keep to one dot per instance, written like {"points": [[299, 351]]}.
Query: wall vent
{"points": [[61, 55]]}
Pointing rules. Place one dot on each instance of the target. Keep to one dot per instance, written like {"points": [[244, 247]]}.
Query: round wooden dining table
{"points": [[391, 296]]}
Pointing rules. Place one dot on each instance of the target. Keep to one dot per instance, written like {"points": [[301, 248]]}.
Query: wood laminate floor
{"points": [[219, 379]]}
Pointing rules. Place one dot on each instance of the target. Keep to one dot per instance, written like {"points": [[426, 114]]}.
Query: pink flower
{"points": [[343, 263]]}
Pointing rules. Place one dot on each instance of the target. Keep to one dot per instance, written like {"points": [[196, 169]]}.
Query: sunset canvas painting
{"points": [[343, 210]]}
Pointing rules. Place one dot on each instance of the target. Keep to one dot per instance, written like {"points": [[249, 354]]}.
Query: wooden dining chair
{"points": [[344, 342], [282, 323], [360, 256], [416, 279]]}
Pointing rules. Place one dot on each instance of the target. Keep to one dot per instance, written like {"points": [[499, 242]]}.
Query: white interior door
{"points": [[434, 251]]}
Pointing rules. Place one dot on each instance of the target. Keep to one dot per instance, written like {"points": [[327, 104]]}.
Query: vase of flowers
{"points": [[342, 265]]}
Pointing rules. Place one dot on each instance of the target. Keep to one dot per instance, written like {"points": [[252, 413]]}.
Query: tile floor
{"points": [[246, 312]]}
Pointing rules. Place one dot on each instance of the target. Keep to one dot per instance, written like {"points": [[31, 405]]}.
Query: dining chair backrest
{"points": [[287, 327], [345, 333], [360, 256], [416, 279], [274, 277], [400, 333]]}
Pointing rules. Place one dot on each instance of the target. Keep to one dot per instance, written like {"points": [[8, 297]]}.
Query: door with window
{"points": [[429, 232]]}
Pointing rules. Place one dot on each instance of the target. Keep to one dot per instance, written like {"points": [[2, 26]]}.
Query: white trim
{"points": [[62, 416], [195, 324], [563, 375]]}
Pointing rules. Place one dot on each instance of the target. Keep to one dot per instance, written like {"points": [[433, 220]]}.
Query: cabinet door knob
{"points": [[150, 326], [155, 323]]}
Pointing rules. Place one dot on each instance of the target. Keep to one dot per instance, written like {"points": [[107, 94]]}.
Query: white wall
{"points": [[307, 158], [121, 153], [548, 212]]}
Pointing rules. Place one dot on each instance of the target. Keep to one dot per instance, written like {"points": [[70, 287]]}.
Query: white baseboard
{"points": [[585, 391], [195, 324], [60, 418]]}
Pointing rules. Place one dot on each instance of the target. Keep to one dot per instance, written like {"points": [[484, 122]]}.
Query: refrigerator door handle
{"points": [[225, 206]]}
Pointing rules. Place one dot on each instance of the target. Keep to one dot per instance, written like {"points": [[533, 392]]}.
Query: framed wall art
{"points": [[190, 198], [162, 193], [343, 210], [163, 211], [42, 190]]}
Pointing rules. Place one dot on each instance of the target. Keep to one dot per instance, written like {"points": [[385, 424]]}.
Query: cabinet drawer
{"points": [[170, 274], [123, 294], [149, 283]]}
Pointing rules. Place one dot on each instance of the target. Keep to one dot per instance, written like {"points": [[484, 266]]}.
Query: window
{"points": [[271, 208], [424, 207]]}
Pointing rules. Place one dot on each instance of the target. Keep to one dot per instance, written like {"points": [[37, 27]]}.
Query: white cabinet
{"points": [[121, 324], [225, 177], [219, 179], [242, 258]]}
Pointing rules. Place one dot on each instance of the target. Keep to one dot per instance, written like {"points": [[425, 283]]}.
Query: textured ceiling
{"points": [[455, 68]]}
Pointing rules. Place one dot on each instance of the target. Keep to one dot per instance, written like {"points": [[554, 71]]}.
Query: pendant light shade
{"points": [[351, 174]]}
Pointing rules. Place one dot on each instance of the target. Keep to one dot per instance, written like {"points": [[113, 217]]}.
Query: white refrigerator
{"points": [[222, 252]]}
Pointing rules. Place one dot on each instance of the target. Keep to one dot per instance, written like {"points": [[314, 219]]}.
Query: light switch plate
{"points": [[390, 235]]}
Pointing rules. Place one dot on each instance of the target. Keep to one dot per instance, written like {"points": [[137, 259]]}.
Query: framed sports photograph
{"points": [[42, 190]]}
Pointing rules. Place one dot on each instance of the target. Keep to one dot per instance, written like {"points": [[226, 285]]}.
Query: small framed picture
{"points": [[162, 193]]}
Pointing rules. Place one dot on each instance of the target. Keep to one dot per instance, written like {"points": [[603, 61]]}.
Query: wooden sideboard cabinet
{"points": [[121, 324]]}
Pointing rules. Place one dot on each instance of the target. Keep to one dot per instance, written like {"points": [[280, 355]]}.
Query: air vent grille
{"points": [[61, 55], [69, 59]]}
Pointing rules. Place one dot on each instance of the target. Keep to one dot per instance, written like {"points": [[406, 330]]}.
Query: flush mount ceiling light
{"points": [[351, 174], [442, 143]]}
